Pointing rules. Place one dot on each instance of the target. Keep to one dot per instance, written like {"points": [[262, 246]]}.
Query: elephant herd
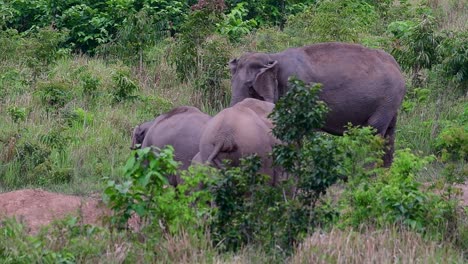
{"points": [[361, 86]]}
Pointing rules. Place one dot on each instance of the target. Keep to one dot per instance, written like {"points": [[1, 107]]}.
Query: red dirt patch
{"points": [[37, 208]]}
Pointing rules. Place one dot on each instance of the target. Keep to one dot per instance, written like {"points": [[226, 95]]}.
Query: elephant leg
{"points": [[390, 142], [386, 130]]}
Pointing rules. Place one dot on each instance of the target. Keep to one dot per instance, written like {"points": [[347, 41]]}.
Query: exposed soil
{"points": [[37, 208]]}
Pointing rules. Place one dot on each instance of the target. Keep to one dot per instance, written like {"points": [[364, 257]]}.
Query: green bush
{"points": [[453, 52], [124, 87], [17, 114], [90, 84], [415, 45], [78, 118], [201, 55], [234, 26], [144, 191], [250, 211], [212, 70], [395, 197], [199, 26], [54, 95]]}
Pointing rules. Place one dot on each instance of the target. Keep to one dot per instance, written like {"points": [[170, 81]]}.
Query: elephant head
{"points": [[139, 134], [254, 75]]}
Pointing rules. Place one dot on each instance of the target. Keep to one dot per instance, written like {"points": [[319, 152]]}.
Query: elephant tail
{"points": [[213, 158]]}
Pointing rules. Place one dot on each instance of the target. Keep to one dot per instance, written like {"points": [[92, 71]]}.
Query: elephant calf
{"points": [[181, 127], [239, 131]]}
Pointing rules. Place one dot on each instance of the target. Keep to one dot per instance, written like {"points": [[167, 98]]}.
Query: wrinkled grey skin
{"points": [[360, 85], [182, 128], [239, 131]]}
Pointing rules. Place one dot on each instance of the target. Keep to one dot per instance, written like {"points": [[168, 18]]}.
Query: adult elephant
{"points": [[360, 85], [181, 128], [237, 132]]}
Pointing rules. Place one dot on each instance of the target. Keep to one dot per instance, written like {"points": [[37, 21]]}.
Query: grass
{"points": [[97, 245], [373, 246]]}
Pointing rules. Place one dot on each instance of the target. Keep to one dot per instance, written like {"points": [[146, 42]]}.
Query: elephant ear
{"points": [[233, 65], [266, 83]]}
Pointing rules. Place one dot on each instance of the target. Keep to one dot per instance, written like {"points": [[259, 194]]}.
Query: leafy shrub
{"points": [[200, 24], [32, 153], [415, 97], [415, 45], [90, 84], [17, 114], [247, 212], [394, 196], [250, 210], [234, 26], [123, 87], [55, 139], [54, 95], [360, 152], [453, 51], [212, 70], [201, 55], [144, 192], [138, 32], [453, 142], [79, 118]]}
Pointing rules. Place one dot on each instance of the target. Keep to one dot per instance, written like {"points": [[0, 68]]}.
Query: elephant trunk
{"points": [[213, 159], [134, 138]]}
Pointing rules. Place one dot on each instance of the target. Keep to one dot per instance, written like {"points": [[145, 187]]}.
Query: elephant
{"points": [[182, 128], [361, 86], [239, 131], [139, 133]]}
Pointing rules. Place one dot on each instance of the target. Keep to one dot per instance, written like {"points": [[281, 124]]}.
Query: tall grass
{"points": [[390, 245]]}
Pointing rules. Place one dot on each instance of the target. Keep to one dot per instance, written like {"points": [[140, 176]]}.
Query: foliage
{"points": [[395, 197], [361, 151], [201, 55], [137, 33], [332, 21], [453, 51], [91, 23], [78, 118], [453, 142], [90, 85], [17, 114], [124, 87], [415, 45], [213, 56], [293, 123], [253, 211], [248, 209], [234, 26], [144, 192], [199, 26], [415, 97], [54, 95]]}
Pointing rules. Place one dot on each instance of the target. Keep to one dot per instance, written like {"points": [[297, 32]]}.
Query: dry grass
{"points": [[384, 246]]}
